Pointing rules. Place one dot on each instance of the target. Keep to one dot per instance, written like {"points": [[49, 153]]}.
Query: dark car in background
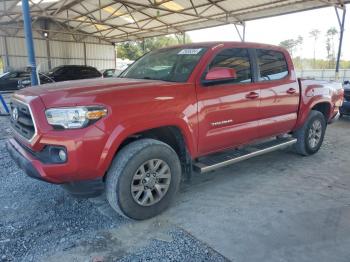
{"points": [[107, 73], [73, 72], [26, 82], [64, 73], [9, 80], [345, 108]]}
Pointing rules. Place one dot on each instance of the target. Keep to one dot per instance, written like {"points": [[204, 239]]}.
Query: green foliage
{"points": [[134, 49], [308, 63], [129, 50], [314, 33], [330, 38], [292, 44]]}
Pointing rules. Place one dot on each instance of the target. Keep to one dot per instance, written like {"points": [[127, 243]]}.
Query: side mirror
{"points": [[218, 75]]}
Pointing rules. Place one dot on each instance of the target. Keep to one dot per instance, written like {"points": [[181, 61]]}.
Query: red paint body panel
{"points": [[211, 118]]}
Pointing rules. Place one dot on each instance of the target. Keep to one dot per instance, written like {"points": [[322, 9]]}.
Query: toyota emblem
{"points": [[15, 114]]}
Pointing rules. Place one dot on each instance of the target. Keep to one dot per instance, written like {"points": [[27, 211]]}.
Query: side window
{"points": [[272, 65], [237, 59], [87, 72]]}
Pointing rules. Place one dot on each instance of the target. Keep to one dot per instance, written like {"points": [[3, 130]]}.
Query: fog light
{"points": [[62, 155]]}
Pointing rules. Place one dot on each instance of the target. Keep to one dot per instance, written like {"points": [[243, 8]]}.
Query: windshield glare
{"points": [[174, 64]]}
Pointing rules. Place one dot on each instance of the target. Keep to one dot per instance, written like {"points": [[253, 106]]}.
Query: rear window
{"points": [[272, 65]]}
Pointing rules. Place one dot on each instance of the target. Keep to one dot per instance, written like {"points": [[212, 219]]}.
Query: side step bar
{"points": [[222, 159]]}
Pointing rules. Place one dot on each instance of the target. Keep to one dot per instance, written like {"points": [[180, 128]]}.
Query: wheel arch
{"points": [[324, 108], [177, 136], [322, 105]]}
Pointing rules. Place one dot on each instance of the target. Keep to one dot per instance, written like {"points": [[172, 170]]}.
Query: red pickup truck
{"points": [[192, 107]]}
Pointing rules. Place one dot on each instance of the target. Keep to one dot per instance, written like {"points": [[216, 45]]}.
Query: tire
{"points": [[126, 172], [305, 144]]}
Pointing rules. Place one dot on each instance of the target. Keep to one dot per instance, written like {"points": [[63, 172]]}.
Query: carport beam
{"points": [[27, 21], [342, 25]]}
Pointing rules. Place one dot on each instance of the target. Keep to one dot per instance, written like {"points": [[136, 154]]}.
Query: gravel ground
{"points": [[41, 222]]}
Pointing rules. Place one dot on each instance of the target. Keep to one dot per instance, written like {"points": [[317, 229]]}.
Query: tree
{"points": [[292, 44], [330, 36], [129, 50], [315, 34], [134, 49]]}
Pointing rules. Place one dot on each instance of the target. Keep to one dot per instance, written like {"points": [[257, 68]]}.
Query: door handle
{"points": [[252, 95], [291, 91]]}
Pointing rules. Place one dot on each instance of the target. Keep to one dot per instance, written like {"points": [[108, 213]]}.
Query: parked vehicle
{"points": [[9, 80], [192, 107], [345, 108], [73, 72], [27, 82], [107, 73]]}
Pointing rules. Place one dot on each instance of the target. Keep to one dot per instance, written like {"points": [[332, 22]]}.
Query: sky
{"points": [[276, 29]]}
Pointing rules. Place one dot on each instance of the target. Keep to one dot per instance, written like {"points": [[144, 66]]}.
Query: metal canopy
{"points": [[123, 20]]}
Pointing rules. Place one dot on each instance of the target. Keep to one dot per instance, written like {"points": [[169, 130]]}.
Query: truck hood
{"points": [[71, 93]]}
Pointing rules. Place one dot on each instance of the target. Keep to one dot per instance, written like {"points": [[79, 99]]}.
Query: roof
{"points": [[123, 20], [227, 44]]}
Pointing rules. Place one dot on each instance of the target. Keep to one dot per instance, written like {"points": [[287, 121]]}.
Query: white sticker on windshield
{"points": [[189, 51]]}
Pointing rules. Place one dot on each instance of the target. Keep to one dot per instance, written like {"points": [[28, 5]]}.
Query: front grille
{"points": [[347, 95], [21, 119]]}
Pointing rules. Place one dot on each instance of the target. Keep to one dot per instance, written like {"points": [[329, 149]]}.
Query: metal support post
{"points": [[342, 27], [29, 41]]}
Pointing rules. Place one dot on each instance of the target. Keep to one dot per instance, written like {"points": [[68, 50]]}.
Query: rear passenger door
{"points": [[228, 112], [279, 92]]}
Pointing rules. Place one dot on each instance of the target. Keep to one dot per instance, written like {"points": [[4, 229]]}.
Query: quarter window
{"points": [[237, 59], [272, 65]]}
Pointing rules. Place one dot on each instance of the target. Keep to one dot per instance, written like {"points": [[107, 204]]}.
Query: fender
{"points": [[306, 107], [131, 127]]}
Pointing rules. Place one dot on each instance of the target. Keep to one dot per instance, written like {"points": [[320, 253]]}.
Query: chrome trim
{"points": [[33, 119], [202, 168], [221, 123]]}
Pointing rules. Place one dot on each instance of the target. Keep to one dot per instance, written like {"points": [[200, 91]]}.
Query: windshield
{"points": [[172, 64]]}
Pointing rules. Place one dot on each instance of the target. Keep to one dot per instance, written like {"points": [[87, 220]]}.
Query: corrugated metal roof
{"points": [[123, 20]]}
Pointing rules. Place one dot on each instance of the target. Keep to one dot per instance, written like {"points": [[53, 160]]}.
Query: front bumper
{"points": [[18, 155], [85, 153], [83, 148], [26, 161]]}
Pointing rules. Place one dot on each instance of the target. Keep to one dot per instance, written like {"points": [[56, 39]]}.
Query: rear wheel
{"points": [[310, 136], [143, 179]]}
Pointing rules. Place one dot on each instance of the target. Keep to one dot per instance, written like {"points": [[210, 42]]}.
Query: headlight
{"points": [[74, 117]]}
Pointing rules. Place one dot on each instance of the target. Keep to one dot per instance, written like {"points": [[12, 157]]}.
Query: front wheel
{"points": [[310, 136], [143, 179]]}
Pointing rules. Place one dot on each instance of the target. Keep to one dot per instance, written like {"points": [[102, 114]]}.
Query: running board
{"points": [[222, 159]]}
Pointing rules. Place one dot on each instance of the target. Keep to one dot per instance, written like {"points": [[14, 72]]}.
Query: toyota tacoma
{"points": [[176, 110]]}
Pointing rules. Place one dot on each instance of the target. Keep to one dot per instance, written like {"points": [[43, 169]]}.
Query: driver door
{"points": [[228, 112]]}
